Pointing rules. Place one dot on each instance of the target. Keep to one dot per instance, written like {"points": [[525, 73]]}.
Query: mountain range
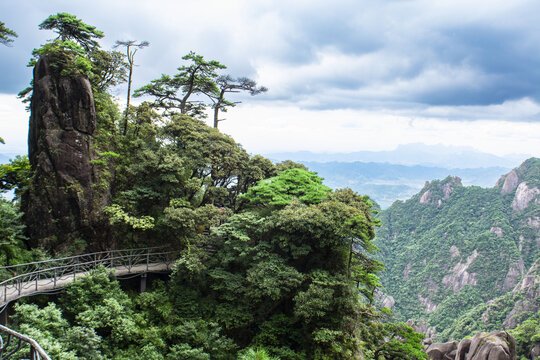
{"points": [[412, 154], [461, 259]]}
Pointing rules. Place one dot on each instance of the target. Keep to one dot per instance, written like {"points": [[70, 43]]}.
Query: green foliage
{"points": [[527, 335], [67, 58], [401, 342], [289, 164], [280, 190], [109, 68], [6, 34], [48, 327], [15, 175], [173, 93], [286, 274], [69, 27], [255, 354], [117, 215], [12, 238]]}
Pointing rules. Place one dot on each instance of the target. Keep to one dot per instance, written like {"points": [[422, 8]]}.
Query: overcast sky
{"points": [[342, 75]]}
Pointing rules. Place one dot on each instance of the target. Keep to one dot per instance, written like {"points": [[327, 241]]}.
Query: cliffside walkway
{"points": [[47, 276]]}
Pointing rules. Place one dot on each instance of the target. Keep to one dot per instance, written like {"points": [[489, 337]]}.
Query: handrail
{"points": [[41, 276], [36, 352], [9, 267]]}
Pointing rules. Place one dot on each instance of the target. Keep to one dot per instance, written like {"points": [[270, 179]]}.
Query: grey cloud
{"points": [[393, 52]]}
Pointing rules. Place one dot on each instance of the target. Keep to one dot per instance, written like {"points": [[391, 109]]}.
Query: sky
{"points": [[343, 75]]}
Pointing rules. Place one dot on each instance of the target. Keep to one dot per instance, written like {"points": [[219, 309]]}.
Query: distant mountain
{"points": [[386, 183], [464, 258], [412, 154]]}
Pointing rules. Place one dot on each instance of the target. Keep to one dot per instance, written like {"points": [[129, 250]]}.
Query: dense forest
{"points": [[272, 264]]}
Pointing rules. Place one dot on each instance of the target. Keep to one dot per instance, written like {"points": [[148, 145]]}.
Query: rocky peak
{"points": [[508, 182], [436, 191], [60, 204]]}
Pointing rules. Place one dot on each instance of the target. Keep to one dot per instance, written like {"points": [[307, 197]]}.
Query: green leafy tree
{"points": [[15, 175], [400, 341], [131, 49], [225, 85], [527, 335], [6, 34], [69, 27], [109, 68], [280, 190], [47, 326], [12, 238], [175, 93], [68, 54]]}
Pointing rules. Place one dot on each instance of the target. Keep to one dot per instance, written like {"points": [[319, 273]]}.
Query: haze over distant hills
{"points": [[449, 157], [400, 173]]}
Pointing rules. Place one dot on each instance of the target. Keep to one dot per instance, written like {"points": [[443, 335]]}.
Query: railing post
{"points": [[148, 260], [54, 280], [37, 277]]}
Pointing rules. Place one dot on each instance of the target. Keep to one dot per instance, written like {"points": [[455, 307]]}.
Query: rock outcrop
{"points": [[61, 203], [496, 345], [529, 290], [524, 196], [436, 192], [459, 277], [442, 351], [510, 183]]}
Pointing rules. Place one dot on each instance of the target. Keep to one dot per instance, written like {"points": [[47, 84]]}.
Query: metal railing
{"points": [[42, 276], [36, 352]]}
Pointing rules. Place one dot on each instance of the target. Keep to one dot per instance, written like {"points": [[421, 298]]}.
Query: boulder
{"points": [[496, 345], [442, 351]]}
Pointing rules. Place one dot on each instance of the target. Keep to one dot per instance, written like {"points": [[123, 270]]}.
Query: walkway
{"points": [[49, 275]]}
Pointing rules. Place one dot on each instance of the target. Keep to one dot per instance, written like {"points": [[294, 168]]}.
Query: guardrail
{"points": [[42, 276], [36, 352]]}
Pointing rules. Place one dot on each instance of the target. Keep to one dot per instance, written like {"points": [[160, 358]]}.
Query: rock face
{"points": [[511, 181], [496, 345], [61, 201], [437, 191], [524, 195], [459, 277], [529, 289]]}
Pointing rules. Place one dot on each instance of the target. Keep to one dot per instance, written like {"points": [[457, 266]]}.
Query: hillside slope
{"points": [[452, 247]]}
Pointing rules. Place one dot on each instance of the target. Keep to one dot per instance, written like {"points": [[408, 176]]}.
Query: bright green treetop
{"points": [[280, 190], [68, 27]]}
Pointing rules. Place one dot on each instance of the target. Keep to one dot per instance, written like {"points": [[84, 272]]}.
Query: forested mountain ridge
{"points": [[450, 248]]}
